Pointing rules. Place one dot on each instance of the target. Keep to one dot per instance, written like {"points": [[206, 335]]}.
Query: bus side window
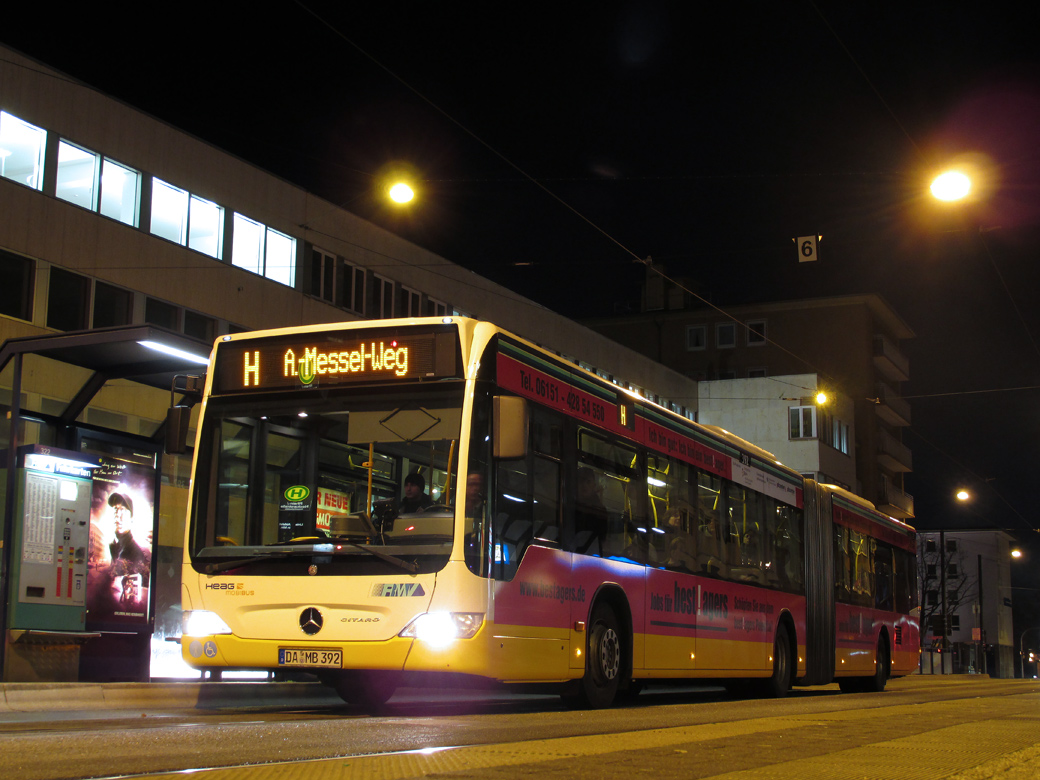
{"points": [[709, 511], [842, 565], [512, 523], [884, 597]]}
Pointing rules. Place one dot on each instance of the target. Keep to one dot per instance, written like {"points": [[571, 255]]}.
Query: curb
{"points": [[42, 697]]}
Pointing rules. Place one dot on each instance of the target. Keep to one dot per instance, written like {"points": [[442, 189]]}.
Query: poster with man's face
{"points": [[120, 556]]}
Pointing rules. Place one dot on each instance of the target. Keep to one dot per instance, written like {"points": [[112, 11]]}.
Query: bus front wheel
{"points": [[604, 662], [779, 683], [369, 690]]}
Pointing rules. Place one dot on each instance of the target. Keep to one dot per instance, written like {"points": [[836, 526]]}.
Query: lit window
{"points": [[725, 335], [77, 178], [840, 436], [21, 151], [120, 192], [169, 212], [97, 183], [263, 250], [205, 226], [802, 422], [186, 219]]}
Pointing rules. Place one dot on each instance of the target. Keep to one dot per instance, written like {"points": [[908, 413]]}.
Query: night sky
{"points": [[706, 137]]}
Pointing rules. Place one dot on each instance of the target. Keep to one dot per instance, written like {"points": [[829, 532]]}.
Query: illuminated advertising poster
{"points": [[120, 556], [331, 503]]}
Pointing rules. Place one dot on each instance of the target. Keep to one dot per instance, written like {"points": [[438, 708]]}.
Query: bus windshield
{"points": [[289, 472]]}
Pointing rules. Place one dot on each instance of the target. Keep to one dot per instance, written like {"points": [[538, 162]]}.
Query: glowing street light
{"points": [[951, 185], [963, 495], [401, 193]]}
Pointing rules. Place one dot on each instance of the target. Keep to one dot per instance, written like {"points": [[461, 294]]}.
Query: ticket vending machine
{"points": [[49, 553]]}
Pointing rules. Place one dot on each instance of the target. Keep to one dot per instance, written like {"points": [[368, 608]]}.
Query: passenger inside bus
{"points": [[415, 498]]}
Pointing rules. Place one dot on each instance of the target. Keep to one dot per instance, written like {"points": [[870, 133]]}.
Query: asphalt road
{"points": [[942, 727]]}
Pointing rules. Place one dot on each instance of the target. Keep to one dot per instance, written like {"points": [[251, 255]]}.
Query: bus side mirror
{"points": [[177, 419], [509, 427]]}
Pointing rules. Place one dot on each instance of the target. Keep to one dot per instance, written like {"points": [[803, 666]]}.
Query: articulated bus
{"points": [[381, 503]]}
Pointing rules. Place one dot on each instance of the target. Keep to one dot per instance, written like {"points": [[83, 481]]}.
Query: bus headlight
{"points": [[440, 629], [202, 622]]}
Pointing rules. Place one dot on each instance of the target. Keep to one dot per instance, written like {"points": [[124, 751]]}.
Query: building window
{"points": [[436, 308], [323, 275], [929, 545], [726, 374], [411, 303], [67, 300], [16, 293], [21, 151], [931, 571], [932, 598], [696, 337], [951, 545], [951, 570], [383, 302], [120, 192], [725, 335], [186, 219], [163, 314], [840, 436], [802, 422], [112, 306], [97, 183], [337, 281], [263, 250], [756, 373], [756, 333], [199, 326], [955, 623]]}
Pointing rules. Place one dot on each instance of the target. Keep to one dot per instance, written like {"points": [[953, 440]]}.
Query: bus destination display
{"points": [[329, 359]]}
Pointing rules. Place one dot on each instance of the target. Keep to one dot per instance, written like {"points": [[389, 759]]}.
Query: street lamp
{"points": [[951, 185], [401, 193]]}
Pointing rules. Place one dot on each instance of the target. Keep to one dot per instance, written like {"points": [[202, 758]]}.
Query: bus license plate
{"points": [[299, 656]]}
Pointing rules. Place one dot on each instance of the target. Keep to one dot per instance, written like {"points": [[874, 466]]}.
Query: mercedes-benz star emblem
{"points": [[311, 621]]}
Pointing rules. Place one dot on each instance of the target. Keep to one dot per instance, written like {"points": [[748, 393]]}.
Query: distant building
{"points": [[852, 343], [966, 600]]}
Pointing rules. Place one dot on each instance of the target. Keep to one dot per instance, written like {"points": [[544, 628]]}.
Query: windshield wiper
{"points": [[409, 566], [214, 568]]}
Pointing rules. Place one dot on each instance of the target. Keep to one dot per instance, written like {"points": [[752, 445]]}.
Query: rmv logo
{"points": [[397, 589], [297, 493]]}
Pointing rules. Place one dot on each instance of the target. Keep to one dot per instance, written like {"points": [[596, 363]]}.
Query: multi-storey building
{"points": [[852, 343]]}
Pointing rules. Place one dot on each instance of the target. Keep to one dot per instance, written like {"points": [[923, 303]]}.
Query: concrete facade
{"points": [[759, 410]]}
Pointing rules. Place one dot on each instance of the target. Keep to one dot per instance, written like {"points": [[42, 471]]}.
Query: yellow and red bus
{"points": [[384, 502]]}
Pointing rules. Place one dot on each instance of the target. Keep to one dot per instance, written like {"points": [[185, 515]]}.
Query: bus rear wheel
{"points": [[876, 682], [604, 662]]}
